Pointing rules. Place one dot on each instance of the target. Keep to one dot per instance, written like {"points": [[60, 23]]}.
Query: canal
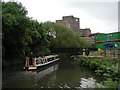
{"points": [[61, 74]]}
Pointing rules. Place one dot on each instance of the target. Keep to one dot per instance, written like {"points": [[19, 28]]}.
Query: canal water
{"points": [[61, 74]]}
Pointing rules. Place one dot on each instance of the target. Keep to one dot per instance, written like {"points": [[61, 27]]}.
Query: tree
{"points": [[38, 39], [63, 37], [14, 23], [21, 34]]}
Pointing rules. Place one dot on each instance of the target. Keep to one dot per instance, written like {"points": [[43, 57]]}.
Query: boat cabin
{"points": [[33, 63]]}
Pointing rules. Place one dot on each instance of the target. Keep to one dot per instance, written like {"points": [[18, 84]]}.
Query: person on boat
{"points": [[31, 56], [27, 61]]}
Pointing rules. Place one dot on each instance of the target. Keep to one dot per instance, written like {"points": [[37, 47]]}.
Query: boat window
{"points": [[49, 59], [57, 57], [42, 61], [46, 60], [36, 61]]}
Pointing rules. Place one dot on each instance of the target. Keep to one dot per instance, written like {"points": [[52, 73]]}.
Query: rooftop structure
{"points": [[85, 32]]}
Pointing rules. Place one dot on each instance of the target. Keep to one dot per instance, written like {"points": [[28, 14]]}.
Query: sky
{"points": [[98, 15]]}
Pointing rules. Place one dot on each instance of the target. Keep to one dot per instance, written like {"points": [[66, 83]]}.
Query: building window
{"points": [[76, 20], [110, 37], [67, 24]]}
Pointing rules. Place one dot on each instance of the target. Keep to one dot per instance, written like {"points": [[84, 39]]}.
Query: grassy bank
{"points": [[105, 66]]}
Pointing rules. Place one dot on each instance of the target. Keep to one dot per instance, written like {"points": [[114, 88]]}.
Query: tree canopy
{"points": [[21, 34], [63, 36], [14, 22]]}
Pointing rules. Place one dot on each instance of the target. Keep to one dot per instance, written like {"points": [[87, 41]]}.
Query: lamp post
{"points": [[115, 46]]}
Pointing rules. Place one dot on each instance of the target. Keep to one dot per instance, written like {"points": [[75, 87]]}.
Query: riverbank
{"points": [[104, 66], [12, 62]]}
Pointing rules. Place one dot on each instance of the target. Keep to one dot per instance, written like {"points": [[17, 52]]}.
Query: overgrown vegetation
{"points": [[21, 34], [108, 67], [60, 36]]}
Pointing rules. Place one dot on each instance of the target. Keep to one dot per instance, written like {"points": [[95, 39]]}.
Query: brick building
{"points": [[70, 22], [85, 32]]}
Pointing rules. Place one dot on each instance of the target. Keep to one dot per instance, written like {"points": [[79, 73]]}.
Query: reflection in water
{"points": [[89, 83], [57, 75], [46, 71], [42, 71], [26, 79]]}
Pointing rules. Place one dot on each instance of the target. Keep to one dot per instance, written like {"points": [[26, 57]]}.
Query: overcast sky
{"points": [[98, 15]]}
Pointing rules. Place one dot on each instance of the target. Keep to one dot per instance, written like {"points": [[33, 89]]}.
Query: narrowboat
{"points": [[34, 63]]}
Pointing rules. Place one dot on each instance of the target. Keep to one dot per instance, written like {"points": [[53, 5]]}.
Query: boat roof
{"points": [[50, 56]]}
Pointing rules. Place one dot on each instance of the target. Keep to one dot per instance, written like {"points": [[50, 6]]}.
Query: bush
{"points": [[103, 66]]}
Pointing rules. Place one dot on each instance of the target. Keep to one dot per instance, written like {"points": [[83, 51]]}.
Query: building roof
{"points": [[96, 33], [84, 29], [67, 16], [103, 33]]}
